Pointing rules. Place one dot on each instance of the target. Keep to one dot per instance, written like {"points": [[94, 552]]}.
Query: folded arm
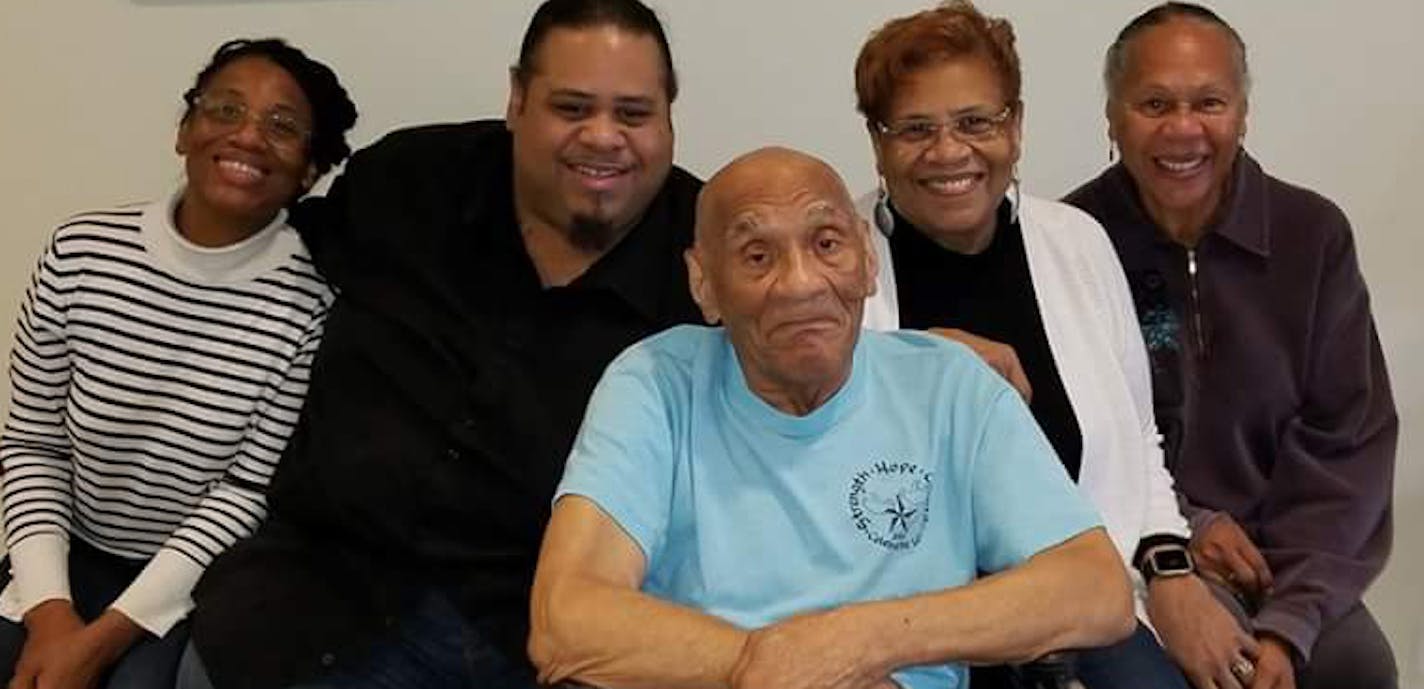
{"points": [[1069, 596], [591, 624]]}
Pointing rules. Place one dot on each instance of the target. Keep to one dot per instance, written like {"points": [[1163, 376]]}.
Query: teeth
{"points": [[1180, 165], [597, 172], [951, 185], [240, 169]]}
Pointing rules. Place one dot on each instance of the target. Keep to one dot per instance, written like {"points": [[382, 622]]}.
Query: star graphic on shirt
{"points": [[900, 516]]}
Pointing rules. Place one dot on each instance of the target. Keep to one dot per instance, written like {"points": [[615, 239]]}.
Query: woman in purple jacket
{"points": [[1269, 381]]}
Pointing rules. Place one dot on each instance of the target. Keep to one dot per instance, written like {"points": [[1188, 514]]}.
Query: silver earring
{"points": [[1018, 195], [884, 219]]}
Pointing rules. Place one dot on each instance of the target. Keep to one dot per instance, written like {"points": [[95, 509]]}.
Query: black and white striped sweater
{"points": [[154, 384]]}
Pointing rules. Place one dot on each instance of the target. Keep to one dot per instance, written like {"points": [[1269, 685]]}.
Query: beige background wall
{"points": [[89, 97]]}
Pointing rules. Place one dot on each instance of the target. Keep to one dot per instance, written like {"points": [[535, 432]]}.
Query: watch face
{"points": [[1171, 561]]}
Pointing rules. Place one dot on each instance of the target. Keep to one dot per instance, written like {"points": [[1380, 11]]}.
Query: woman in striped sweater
{"points": [[160, 362]]}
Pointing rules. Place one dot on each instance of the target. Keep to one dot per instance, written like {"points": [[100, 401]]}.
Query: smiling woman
{"points": [[162, 355], [1270, 382], [1030, 284]]}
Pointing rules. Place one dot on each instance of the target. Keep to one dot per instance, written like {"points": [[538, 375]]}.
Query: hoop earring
{"points": [[884, 218], [1017, 206]]}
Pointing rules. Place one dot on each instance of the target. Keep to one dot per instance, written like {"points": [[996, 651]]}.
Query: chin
{"points": [[823, 358], [1183, 200]]}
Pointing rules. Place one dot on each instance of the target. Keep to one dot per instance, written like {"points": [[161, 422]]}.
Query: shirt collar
{"points": [[641, 269], [646, 264], [758, 412], [1246, 222]]}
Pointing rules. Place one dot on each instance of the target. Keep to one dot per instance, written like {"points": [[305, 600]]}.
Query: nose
{"points": [[248, 133], [945, 148], [601, 132], [1182, 122], [799, 276]]}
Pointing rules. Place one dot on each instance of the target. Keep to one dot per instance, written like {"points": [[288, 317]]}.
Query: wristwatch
{"points": [[1167, 560]]}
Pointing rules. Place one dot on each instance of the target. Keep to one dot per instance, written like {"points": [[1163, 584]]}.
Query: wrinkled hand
{"points": [[1225, 553], [827, 650], [997, 355], [1273, 667], [1198, 632]]}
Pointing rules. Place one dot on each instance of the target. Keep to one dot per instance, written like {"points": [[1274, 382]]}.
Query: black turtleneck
{"points": [[989, 294]]}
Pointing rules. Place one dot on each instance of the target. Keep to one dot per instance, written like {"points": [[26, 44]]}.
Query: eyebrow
{"points": [[584, 95], [746, 224], [966, 110], [749, 223], [1195, 88], [282, 106], [826, 210]]}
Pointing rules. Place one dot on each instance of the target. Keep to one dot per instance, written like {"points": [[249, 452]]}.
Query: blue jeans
{"points": [[96, 578], [434, 647], [1137, 661]]}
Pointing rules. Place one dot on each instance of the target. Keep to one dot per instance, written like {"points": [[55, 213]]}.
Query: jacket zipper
{"points": [[1195, 305]]}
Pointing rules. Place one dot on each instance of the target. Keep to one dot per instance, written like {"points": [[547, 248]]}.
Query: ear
{"points": [[871, 260], [180, 140], [515, 105], [877, 146], [1015, 130], [697, 283], [309, 179], [1110, 114]]}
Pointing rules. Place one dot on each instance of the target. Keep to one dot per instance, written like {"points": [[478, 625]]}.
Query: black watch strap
{"points": [[1167, 560], [1149, 542]]}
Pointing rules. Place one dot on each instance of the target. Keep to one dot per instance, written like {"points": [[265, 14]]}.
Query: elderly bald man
{"points": [[787, 501]]}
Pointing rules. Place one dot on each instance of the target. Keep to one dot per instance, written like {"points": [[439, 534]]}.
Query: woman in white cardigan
{"points": [[1035, 287]]}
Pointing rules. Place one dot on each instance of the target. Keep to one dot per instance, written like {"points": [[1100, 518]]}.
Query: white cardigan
{"points": [[1093, 334]]}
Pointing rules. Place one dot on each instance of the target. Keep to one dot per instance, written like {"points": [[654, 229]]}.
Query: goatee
{"points": [[592, 234]]}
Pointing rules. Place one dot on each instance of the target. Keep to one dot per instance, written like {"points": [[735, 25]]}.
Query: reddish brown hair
{"points": [[954, 30]]}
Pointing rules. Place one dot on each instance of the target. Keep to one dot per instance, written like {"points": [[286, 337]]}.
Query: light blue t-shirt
{"points": [[924, 468]]}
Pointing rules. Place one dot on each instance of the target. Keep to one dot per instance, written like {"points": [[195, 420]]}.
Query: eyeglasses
{"points": [[279, 128], [967, 128]]}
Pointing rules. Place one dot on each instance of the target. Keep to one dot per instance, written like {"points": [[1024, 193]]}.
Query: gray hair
{"points": [[1115, 62]]}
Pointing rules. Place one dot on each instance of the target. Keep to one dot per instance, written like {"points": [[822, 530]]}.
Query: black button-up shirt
{"points": [[444, 400]]}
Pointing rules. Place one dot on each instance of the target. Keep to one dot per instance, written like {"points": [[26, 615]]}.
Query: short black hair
{"points": [[1115, 62], [630, 15], [333, 113]]}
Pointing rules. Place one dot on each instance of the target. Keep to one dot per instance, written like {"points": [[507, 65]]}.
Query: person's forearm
{"points": [[1073, 595], [115, 633], [607, 636]]}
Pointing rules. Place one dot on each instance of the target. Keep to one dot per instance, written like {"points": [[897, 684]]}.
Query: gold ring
{"points": [[1243, 669]]}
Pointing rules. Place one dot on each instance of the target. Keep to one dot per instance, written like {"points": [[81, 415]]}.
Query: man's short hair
{"points": [[629, 15]]}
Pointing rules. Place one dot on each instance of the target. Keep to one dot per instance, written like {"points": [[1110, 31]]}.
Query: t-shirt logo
{"points": [[890, 503]]}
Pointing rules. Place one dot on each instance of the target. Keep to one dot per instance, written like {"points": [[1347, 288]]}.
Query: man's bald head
{"points": [[763, 171], [783, 261]]}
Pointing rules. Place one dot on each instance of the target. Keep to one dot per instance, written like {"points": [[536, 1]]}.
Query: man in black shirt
{"points": [[488, 271]]}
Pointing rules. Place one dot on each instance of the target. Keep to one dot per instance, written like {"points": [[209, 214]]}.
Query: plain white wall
{"points": [[89, 95]]}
